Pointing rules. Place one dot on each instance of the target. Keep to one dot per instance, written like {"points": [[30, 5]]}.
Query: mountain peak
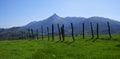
{"points": [[54, 15]]}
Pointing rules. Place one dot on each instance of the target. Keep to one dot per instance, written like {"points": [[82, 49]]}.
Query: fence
{"points": [[61, 32]]}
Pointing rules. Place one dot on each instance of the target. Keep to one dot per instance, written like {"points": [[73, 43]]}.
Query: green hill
{"points": [[102, 48]]}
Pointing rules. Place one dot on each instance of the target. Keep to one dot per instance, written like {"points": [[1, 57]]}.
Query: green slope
{"points": [[102, 48]]}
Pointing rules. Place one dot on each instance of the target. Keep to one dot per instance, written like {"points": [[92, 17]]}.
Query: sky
{"points": [[15, 13]]}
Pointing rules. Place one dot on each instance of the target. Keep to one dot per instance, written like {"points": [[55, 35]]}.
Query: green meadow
{"points": [[102, 48]]}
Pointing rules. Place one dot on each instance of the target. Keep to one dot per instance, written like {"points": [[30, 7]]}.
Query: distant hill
{"points": [[11, 33], [77, 22]]}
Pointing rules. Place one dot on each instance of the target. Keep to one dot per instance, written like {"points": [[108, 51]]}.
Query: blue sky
{"points": [[21, 12]]}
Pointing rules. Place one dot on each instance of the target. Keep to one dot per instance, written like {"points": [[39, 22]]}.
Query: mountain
{"points": [[17, 32], [77, 22]]}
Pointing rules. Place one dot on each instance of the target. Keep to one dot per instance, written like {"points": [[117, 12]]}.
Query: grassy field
{"points": [[102, 48]]}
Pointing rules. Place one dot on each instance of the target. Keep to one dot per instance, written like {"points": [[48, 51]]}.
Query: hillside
{"points": [[103, 48], [12, 33]]}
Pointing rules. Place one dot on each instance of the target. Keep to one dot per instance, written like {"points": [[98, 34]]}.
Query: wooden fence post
{"points": [[25, 34], [97, 31], [62, 31], [37, 35], [59, 32], [32, 34], [83, 29], [109, 30], [42, 32], [22, 34], [52, 32], [48, 33], [72, 32], [92, 30], [29, 34]]}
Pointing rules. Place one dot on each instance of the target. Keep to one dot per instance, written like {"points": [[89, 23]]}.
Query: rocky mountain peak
{"points": [[54, 16]]}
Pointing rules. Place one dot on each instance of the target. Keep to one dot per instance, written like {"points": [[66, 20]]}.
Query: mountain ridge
{"points": [[55, 19], [11, 33]]}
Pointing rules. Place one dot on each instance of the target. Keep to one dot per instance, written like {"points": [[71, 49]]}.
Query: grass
{"points": [[102, 48]]}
